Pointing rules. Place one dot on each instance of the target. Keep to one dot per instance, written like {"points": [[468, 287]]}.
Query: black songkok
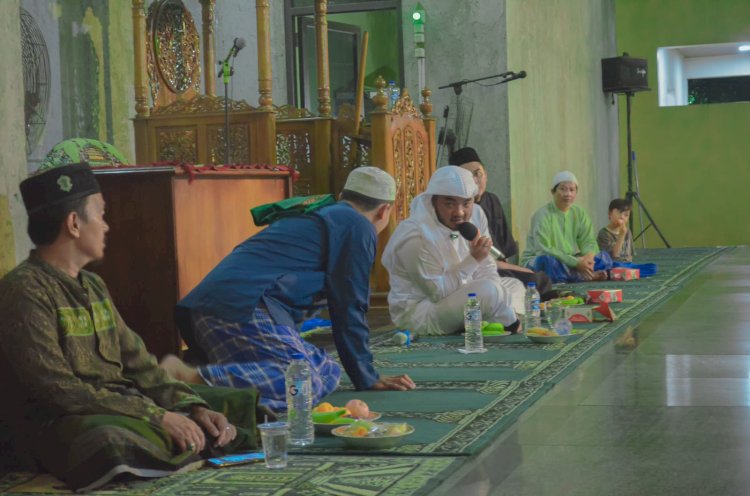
{"points": [[57, 185], [464, 156]]}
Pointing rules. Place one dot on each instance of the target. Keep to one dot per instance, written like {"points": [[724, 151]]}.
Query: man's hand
{"points": [[585, 267], [184, 432], [215, 424], [479, 248], [394, 383], [509, 266]]}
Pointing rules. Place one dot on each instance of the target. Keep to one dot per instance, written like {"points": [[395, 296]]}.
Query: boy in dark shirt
{"points": [[616, 238]]}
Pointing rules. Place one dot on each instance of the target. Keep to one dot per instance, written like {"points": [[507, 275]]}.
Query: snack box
{"points": [[605, 295], [579, 313], [624, 274], [590, 313]]}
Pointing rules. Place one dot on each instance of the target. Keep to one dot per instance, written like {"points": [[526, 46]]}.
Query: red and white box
{"points": [[590, 313], [579, 313], [605, 295], [624, 274]]}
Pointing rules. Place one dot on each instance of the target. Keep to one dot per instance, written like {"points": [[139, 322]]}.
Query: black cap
{"points": [[464, 156], [56, 185]]}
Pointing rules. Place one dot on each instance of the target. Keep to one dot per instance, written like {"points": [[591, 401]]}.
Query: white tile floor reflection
{"points": [[671, 416]]}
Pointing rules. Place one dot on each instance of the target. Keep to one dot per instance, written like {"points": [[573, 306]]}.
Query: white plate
{"points": [[327, 428], [380, 442]]}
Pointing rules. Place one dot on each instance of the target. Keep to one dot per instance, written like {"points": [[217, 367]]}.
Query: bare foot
{"points": [[179, 370]]}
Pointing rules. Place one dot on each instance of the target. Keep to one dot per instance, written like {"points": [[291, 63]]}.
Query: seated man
{"points": [[561, 240], [83, 398], [245, 313], [502, 237], [432, 268]]}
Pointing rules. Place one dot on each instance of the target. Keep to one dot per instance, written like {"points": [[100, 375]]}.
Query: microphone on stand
{"points": [[237, 45], [469, 232], [516, 75]]}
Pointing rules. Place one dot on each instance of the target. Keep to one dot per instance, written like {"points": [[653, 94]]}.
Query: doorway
{"points": [[347, 22]]}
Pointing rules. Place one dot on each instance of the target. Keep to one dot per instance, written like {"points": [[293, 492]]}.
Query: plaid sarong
{"points": [[256, 353]]}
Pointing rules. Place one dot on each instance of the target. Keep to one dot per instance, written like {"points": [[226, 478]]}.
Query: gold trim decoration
{"points": [[426, 105], [295, 150], [380, 99], [399, 168], [405, 107], [291, 112], [176, 46], [202, 104], [153, 79]]}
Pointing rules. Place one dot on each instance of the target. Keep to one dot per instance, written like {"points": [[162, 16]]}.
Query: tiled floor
{"points": [[668, 416]]}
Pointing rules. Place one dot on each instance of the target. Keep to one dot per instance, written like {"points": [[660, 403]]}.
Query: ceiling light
{"points": [[744, 48]]}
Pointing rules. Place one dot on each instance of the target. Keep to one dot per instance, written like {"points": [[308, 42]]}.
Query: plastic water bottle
{"points": [[473, 341], [393, 94], [532, 318], [299, 401]]}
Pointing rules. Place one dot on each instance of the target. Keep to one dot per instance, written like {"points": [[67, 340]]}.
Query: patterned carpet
{"points": [[463, 402], [305, 476]]}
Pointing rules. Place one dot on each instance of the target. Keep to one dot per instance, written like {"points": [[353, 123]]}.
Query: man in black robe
{"points": [[502, 237]]}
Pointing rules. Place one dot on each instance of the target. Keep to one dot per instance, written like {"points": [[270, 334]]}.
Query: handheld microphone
{"points": [[239, 44], [469, 232]]}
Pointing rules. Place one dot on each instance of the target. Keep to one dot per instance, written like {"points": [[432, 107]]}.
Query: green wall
{"points": [[96, 52], [14, 243], [693, 162], [382, 46], [559, 117]]}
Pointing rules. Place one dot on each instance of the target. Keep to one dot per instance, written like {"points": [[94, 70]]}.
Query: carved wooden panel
{"points": [[178, 144]]}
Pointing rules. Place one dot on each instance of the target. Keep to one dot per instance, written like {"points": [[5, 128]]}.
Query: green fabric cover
{"points": [[297, 205]]}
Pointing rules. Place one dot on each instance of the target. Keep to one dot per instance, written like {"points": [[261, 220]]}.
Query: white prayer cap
{"points": [[563, 176], [451, 180], [373, 182]]}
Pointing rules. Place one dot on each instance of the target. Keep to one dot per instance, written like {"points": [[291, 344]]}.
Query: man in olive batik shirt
{"points": [[82, 397]]}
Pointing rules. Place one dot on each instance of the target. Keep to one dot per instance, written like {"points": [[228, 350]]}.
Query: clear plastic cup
{"points": [[274, 436]]}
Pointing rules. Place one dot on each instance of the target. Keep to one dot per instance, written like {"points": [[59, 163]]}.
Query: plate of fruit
{"points": [[364, 434], [327, 417], [542, 335], [493, 331]]}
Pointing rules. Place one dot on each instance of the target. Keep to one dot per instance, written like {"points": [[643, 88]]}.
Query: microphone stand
{"points": [[458, 87], [226, 73]]}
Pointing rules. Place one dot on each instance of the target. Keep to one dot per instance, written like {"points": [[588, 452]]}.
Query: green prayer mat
{"points": [[305, 475], [463, 402]]}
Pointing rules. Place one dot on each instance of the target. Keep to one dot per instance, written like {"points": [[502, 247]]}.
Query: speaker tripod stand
{"points": [[632, 195]]}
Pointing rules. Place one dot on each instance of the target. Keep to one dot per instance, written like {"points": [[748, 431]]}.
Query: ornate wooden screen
{"points": [[403, 144], [173, 120]]}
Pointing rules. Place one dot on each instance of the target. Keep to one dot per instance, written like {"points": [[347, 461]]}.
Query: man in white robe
{"points": [[432, 267]]}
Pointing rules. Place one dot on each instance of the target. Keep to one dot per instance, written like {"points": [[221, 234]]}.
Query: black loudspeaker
{"points": [[624, 74]]}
